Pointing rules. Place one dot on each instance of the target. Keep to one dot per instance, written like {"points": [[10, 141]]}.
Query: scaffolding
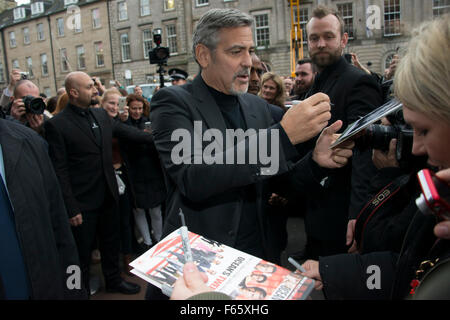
{"points": [[296, 41]]}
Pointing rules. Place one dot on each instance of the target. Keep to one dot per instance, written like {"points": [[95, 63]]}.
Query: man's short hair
{"points": [[20, 83], [321, 12], [313, 66], [208, 27]]}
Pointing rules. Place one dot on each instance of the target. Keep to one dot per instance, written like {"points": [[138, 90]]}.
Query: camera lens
{"points": [[378, 136]]}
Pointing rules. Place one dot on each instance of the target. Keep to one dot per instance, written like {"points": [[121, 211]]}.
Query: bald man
{"points": [[80, 141], [22, 89]]}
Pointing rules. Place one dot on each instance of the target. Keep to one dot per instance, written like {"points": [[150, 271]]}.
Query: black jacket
{"points": [[206, 192], [41, 220], [345, 276], [145, 172], [83, 167], [354, 94]]}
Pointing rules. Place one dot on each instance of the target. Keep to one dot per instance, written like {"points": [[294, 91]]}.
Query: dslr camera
{"points": [[33, 105], [378, 136]]}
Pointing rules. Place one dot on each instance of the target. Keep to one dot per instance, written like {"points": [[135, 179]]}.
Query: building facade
{"points": [[49, 39], [111, 39]]}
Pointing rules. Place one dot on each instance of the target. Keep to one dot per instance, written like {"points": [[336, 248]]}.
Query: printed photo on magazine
{"points": [[233, 272]]}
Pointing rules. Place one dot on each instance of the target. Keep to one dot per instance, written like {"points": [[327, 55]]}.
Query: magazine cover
{"points": [[233, 272]]}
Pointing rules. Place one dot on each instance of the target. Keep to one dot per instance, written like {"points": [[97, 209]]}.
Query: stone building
{"points": [[115, 36], [49, 39]]}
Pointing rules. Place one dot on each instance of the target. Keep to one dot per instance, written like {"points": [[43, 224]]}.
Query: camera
{"points": [[378, 136], [33, 105], [158, 55], [23, 75]]}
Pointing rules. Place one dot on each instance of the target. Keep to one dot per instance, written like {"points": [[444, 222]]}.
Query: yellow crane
{"points": [[296, 41]]}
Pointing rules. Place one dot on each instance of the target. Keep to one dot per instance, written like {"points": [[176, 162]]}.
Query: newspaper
{"points": [[230, 271]]}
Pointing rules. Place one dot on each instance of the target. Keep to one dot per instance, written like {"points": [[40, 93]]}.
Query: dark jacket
{"points": [[207, 192], [354, 93], [41, 220], [84, 168], [346, 276], [145, 172]]}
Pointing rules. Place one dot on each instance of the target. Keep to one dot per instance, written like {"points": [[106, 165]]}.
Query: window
{"points": [[47, 91], [125, 44], [392, 18], [15, 64], [346, 11], [145, 7], [440, 7], [44, 65], [26, 35], [81, 62], [29, 66], [147, 41], [262, 30], [99, 57], [2, 75], [12, 39], [37, 8], [40, 31], [123, 10], [68, 2], [60, 26], [172, 38], [304, 15], [19, 13], [200, 3], [96, 23], [169, 5], [64, 60]]}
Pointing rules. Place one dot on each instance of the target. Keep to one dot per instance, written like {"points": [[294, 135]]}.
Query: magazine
{"points": [[230, 271]]}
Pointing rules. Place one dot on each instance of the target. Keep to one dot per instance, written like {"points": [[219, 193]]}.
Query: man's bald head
{"points": [[25, 88], [80, 89], [74, 79]]}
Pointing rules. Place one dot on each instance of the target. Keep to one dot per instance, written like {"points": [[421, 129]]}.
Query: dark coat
{"points": [[41, 220], [354, 94], [83, 167], [205, 192], [145, 172], [345, 276]]}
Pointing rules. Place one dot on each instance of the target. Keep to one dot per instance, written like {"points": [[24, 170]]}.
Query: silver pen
{"points": [[296, 264], [185, 239]]}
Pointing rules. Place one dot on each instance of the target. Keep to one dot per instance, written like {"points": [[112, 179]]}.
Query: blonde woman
{"points": [[272, 89]]}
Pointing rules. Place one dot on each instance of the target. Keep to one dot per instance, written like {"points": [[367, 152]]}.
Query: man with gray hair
{"points": [[221, 199]]}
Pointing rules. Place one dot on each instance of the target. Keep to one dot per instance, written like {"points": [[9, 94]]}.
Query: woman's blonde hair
{"points": [[423, 75], [63, 100], [280, 95], [107, 93]]}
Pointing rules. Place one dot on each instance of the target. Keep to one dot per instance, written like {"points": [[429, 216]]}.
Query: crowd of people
{"points": [[96, 167]]}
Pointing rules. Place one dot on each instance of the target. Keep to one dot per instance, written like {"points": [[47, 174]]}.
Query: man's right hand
{"points": [[76, 220], [18, 110], [14, 77], [306, 120]]}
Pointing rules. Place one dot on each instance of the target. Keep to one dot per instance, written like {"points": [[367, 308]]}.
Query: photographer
{"points": [[421, 83], [27, 106], [382, 222]]}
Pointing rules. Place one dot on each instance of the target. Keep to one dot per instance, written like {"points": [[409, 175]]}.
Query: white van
{"points": [[147, 89]]}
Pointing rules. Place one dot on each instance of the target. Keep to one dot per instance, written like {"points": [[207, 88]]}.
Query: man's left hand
{"points": [[332, 158]]}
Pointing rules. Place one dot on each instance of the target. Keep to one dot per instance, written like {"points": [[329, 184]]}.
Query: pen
{"points": [[185, 239], [296, 264]]}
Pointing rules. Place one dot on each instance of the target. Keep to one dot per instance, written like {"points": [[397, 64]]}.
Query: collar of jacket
{"points": [[335, 68], [209, 108], [78, 110]]}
